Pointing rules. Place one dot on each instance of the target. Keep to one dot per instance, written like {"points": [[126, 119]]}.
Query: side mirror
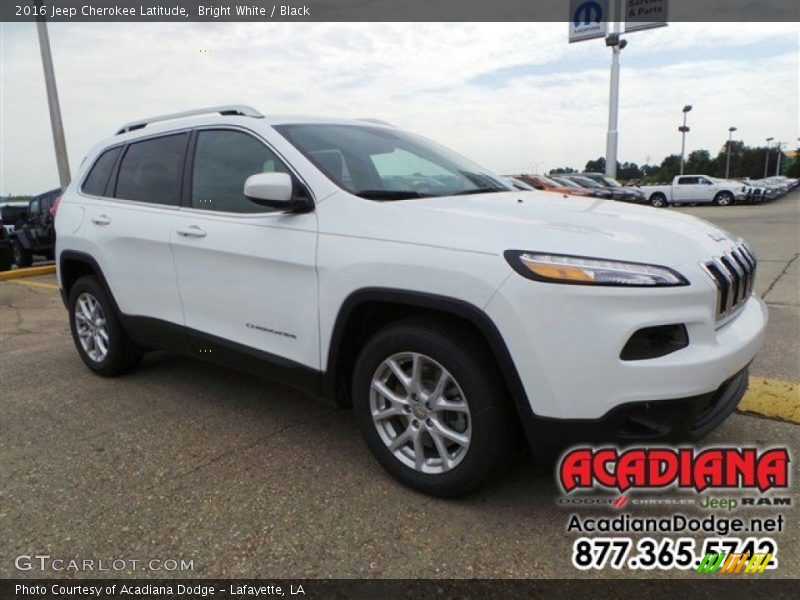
{"points": [[269, 189]]}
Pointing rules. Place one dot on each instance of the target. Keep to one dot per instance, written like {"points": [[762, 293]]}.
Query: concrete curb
{"points": [[772, 398], [29, 272]]}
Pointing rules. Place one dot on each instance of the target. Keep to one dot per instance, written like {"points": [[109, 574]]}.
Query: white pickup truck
{"points": [[695, 188]]}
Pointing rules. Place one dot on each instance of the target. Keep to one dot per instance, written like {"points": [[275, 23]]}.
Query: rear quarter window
{"points": [[97, 179]]}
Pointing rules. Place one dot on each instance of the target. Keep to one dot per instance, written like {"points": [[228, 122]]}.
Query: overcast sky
{"points": [[513, 97]]}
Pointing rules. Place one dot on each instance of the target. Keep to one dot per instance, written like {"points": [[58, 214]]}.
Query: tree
{"points": [[629, 171], [699, 163], [596, 166], [669, 168], [562, 171]]}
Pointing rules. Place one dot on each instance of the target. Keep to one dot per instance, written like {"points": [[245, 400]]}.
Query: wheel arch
{"points": [[73, 265], [367, 310]]}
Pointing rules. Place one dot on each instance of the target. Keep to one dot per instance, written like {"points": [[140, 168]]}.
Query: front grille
{"points": [[734, 274]]}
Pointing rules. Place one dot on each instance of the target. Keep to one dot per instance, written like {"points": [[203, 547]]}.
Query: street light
{"points": [[728, 162], [766, 161], [684, 130], [778, 166]]}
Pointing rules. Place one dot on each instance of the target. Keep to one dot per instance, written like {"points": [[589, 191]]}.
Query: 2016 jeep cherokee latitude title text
{"points": [[372, 267]]}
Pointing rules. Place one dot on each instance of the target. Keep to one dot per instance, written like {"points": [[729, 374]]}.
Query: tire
{"points": [[487, 425], [22, 257], [723, 199], [658, 200], [121, 353], [6, 257]]}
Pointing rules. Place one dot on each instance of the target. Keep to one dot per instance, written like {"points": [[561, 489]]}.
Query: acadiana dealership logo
{"points": [[684, 468]]}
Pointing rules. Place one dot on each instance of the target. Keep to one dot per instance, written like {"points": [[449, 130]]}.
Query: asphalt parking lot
{"points": [[247, 478]]}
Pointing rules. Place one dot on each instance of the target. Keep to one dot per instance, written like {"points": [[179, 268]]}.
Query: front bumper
{"points": [[682, 419]]}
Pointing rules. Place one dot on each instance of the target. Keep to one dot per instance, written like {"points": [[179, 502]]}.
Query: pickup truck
{"points": [[699, 189]]}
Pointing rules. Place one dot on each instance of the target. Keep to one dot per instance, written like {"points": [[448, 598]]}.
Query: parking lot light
{"points": [[684, 130], [766, 161], [728, 161]]}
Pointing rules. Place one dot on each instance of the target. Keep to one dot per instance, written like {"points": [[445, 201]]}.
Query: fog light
{"points": [[652, 342]]}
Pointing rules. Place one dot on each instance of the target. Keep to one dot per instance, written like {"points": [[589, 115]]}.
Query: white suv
{"points": [[374, 268]]}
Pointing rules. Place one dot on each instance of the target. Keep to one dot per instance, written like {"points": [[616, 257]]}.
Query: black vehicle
{"points": [[598, 191], [619, 191], [6, 254], [34, 234]]}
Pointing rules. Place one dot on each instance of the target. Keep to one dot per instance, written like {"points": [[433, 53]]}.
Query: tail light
{"points": [[54, 208]]}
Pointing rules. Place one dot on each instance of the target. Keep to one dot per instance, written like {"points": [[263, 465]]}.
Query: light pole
{"points": [[778, 166], [613, 101], [684, 130], [52, 102], [728, 161], [766, 161]]}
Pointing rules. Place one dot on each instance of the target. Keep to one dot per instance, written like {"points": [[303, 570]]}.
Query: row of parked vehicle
{"points": [[27, 230], [684, 189]]}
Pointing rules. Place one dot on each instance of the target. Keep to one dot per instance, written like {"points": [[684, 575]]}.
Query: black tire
{"points": [[6, 257], [123, 354], [491, 412], [22, 257], [723, 199], [658, 200]]}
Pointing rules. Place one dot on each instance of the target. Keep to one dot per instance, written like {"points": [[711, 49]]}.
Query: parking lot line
{"points": [[29, 272], [49, 286], [772, 398]]}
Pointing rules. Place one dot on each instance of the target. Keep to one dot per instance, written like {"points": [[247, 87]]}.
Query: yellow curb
{"points": [[49, 286], [29, 272], [772, 398]]}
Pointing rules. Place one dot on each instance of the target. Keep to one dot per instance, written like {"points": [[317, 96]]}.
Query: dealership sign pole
{"points": [[59, 141], [590, 19]]}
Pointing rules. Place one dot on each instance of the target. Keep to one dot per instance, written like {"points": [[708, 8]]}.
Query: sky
{"points": [[514, 97]]}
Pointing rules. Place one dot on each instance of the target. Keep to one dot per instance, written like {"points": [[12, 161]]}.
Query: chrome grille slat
{"points": [[734, 274]]}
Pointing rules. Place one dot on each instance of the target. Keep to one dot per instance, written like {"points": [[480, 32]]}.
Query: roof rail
{"points": [[376, 121], [228, 110]]}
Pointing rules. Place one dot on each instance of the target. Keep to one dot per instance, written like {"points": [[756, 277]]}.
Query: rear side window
{"points": [[223, 161], [151, 170], [95, 183]]}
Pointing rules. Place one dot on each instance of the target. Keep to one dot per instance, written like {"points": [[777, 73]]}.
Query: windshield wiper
{"points": [[486, 190], [389, 194]]}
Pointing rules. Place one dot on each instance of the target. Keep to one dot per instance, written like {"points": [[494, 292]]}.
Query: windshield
{"points": [[612, 182], [388, 164]]}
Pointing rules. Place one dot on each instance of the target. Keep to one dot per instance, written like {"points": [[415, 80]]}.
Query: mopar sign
{"points": [[588, 19]]}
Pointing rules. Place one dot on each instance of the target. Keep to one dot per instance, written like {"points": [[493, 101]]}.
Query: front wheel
{"points": [[432, 407], [723, 199], [658, 200]]}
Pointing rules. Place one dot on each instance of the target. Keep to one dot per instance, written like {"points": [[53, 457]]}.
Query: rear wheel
{"points": [[99, 337], [22, 257], [658, 200], [723, 199], [432, 407]]}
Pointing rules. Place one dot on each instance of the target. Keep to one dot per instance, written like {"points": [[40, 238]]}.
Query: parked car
{"points": [[12, 212], [34, 233], [597, 190], [540, 182], [6, 252], [378, 270], [619, 191], [518, 184], [700, 189]]}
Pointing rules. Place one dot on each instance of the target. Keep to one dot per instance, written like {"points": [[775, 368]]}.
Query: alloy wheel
{"points": [[90, 325], [420, 413]]}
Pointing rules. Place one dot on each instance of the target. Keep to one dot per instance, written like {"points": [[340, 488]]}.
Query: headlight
{"points": [[580, 270]]}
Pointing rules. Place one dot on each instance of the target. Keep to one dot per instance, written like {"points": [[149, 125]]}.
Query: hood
{"points": [[542, 221]]}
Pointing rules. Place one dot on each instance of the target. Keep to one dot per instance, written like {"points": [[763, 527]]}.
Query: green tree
{"points": [[596, 166], [562, 171], [698, 163], [669, 168]]}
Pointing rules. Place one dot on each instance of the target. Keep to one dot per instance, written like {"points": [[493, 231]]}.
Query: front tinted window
{"points": [[151, 170], [95, 183], [385, 164], [223, 161]]}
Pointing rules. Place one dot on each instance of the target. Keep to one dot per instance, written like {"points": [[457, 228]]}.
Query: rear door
{"points": [[247, 274], [686, 189], [130, 219]]}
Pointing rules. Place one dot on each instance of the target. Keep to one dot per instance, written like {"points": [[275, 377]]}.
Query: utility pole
{"points": [[728, 161], [59, 141], [766, 161], [612, 136], [778, 167], [684, 130]]}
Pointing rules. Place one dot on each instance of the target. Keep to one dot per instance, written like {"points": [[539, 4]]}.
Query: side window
{"points": [[95, 183], [223, 161], [35, 207], [687, 181], [151, 170]]}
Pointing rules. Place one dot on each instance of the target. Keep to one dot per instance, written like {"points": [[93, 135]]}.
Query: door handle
{"points": [[101, 220], [191, 231]]}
